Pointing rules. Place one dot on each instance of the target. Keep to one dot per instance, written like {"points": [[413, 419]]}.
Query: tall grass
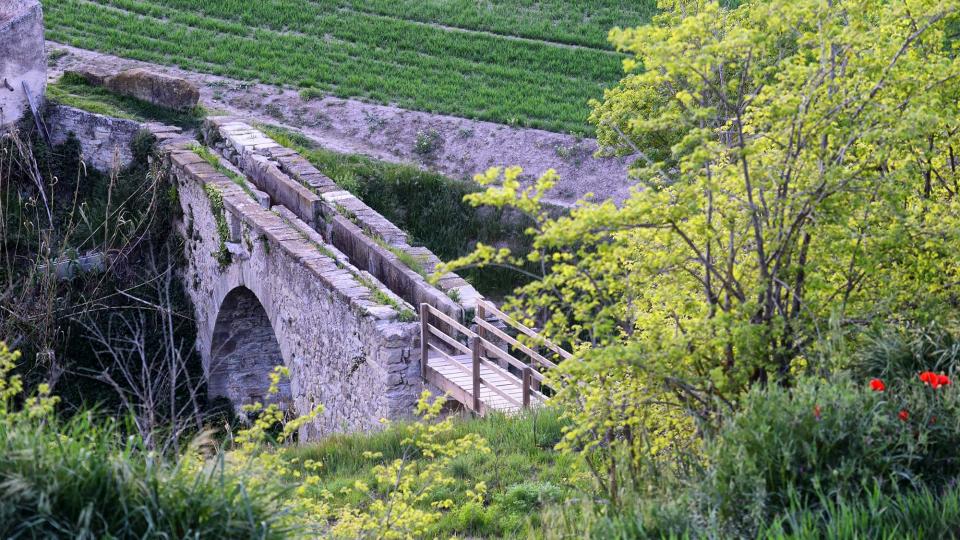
{"points": [[81, 478], [917, 515]]}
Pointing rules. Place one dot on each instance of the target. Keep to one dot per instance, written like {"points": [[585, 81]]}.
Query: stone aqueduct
{"points": [[284, 266]]}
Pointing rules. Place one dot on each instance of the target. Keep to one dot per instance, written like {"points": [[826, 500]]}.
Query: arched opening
{"points": [[244, 351]]}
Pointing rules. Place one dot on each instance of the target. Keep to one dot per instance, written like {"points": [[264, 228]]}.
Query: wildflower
{"points": [[904, 415], [877, 385], [933, 380], [816, 412], [943, 380]]}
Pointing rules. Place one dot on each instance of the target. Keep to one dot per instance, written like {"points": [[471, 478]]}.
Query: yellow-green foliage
{"points": [[398, 504], [797, 185], [11, 386], [401, 487]]}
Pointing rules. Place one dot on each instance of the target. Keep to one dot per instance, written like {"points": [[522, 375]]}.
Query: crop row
{"points": [[584, 23], [241, 17], [349, 54]]}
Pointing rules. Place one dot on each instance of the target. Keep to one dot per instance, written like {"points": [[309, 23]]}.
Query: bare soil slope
{"points": [[454, 146]]}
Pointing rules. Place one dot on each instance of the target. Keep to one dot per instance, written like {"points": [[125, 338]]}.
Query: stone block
{"points": [[156, 88]]}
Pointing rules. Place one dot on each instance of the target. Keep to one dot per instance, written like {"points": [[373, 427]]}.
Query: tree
{"points": [[796, 182]]}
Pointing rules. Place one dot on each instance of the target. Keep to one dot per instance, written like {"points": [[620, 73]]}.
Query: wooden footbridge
{"points": [[479, 368]]}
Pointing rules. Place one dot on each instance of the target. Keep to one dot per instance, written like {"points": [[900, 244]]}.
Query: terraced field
{"points": [[523, 62]]}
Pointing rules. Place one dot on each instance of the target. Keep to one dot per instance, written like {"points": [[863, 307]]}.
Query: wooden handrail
{"points": [[523, 328], [438, 324], [500, 371], [453, 360], [501, 354], [424, 335], [447, 319], [447, 339], [506, 337], [475, 349], [526, 388], [494, 387]]}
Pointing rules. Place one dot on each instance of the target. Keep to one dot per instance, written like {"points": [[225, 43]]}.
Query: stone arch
{"points": [[244, 350]]}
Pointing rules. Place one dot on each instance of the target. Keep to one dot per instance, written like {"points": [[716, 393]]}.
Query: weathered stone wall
{"points": [[104, 141], [22, 58], [343, 348]]}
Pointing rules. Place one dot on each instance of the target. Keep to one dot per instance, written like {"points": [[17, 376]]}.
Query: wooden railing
{"points": [[439, 337]]}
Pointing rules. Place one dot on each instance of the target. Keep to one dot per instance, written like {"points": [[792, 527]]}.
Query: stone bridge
{"points": [[284, 267]]}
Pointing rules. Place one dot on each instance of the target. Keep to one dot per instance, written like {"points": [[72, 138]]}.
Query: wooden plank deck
{"points": [[458, 382]]}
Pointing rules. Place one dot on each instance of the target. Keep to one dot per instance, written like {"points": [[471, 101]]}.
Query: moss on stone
{"points": [[222, 255]]}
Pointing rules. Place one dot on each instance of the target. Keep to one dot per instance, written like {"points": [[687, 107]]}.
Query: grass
{"points": [[74, 91], [522, 473], [213, 159], [407, 259], [920, 514], [427, 205], [82, 478], [388, 52]]}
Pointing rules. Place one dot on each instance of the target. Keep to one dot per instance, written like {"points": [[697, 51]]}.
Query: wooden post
{"points": [[481, 315], [475, 348], [527, 376], [424, 335]]}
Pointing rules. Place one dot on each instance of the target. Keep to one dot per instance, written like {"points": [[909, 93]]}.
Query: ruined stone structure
{"points": [[23, 61], [104, 141], [267, 290], [283, 267]]}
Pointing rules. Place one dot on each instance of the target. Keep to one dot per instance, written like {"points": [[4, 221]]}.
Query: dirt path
{"points": [[454, 146]]}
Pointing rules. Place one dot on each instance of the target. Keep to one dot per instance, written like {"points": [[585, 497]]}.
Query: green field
{"points": [[519, 62]]}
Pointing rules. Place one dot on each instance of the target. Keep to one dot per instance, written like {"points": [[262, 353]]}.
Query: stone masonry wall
{"points": [[104, 140], [23, 59], [344, 349]]}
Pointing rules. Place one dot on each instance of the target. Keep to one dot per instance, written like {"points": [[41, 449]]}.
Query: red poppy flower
{"points": [[931, 379], [877, 385], [816, 412], [943, 380], [904, 415]]}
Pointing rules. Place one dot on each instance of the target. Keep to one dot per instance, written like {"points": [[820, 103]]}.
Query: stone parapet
{"points": [[371, 241], [105, 141]]}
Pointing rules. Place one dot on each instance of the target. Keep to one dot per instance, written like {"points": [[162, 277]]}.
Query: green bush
{"points": [[829, 441], [529, 496]]}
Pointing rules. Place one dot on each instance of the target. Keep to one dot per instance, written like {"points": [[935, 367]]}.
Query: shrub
{"points": [[830, 441], [530, 496]]}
